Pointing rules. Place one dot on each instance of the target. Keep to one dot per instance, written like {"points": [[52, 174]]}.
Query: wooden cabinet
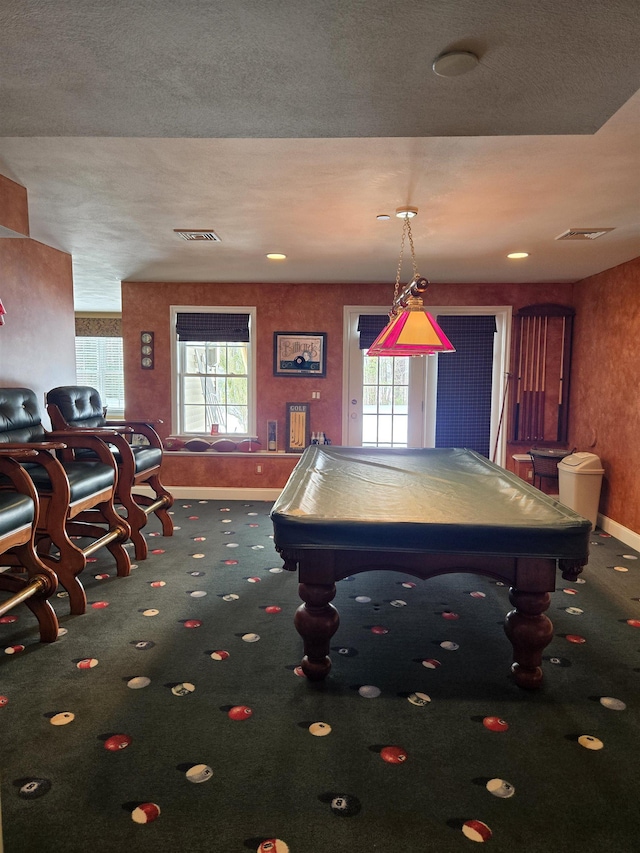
{"points": [[541, 367]]}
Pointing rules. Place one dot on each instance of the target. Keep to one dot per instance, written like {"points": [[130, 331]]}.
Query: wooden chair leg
{"points": [[47, 619], [161, 512], [121, 556], [116, 546], [68, 565], [39, 603], [43, 545], [103, 527], [112, 538], [136, 518]]}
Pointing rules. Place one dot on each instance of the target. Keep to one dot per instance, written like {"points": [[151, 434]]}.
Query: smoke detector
{"points": [[583, 233], [454, 63], [191, 235]]}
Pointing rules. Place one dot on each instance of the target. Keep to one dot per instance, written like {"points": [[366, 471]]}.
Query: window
{"points": [[385, 389], [214, 371], [99, 364], [385, 401]]}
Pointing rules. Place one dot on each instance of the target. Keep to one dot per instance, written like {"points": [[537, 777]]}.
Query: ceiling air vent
{"points": [[583, 233], [191, 235]]}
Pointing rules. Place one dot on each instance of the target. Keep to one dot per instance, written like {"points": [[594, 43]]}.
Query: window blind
{"points": [[212, 327], [99, 364], [369, 327]]}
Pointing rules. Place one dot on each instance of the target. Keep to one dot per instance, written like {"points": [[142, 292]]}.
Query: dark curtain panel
{"points": [[369, 327], [463, 416], [212, 327]]}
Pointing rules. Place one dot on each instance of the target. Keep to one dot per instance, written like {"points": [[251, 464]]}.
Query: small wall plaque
{"points": [[297, 427], [146, 350]]}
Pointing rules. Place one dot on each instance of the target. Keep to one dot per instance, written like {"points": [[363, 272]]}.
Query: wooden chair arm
{"points": [[144, 428], [134, 422], [96, 432], [78, 439], [43, 455], [20, 480], [14, 446], [107, 429], [23, 453]]}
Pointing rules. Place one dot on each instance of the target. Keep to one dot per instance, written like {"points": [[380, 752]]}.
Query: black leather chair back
{"points": [[20, 416], [80, 405]]}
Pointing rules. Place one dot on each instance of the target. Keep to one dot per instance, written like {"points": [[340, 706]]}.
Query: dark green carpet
{"points": [[270, 777]]}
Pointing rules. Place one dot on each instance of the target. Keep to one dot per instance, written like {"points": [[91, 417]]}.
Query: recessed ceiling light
{"points": [[518, 255], [276, 256], [382, 217]]}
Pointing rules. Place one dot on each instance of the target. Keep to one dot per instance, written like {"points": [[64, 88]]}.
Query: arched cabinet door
{"points": [[541, 368]]}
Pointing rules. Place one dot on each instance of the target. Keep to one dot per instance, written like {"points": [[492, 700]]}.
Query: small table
{"points": [[425, 512]]}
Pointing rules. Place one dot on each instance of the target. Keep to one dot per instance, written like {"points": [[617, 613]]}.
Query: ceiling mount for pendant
{"points": [[406, 212]]}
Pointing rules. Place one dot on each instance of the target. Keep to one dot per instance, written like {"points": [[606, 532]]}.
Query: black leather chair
{"points": [[79, 407], [26, 577], [76, 497]]}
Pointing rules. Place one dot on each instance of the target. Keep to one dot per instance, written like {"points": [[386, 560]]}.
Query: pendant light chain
{"points": [[411, 330], [406, 231]]}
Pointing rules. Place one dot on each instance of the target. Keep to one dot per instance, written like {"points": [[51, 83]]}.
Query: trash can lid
{"points": [[584, 462]]}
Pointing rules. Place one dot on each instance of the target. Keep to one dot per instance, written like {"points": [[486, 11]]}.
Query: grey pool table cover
{"points": [[442, 500]]}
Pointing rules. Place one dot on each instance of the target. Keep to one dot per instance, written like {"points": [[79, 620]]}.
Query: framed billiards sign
{"points": [[297, 427], [300, 354]]}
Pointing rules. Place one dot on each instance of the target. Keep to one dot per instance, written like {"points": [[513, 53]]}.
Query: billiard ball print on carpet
{"points": [[174, 714]]}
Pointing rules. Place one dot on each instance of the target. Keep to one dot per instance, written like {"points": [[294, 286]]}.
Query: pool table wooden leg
{"points": [[530, 632], [316, 621]]}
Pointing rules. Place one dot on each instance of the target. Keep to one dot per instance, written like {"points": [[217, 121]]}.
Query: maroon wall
{"points": [[37, 341], [605, 385], [280, 307]]}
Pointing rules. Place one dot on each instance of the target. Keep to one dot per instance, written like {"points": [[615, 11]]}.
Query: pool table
{"points": [[423, 512]]}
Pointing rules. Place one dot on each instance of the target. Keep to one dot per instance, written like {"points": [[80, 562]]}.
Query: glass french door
{"points": [[388, 398], [393, 402], [385, 402]]}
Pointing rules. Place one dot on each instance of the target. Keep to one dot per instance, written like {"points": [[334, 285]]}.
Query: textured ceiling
{"points": [[288, 126]]}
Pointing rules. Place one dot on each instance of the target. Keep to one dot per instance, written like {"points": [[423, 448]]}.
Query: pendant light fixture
{"points": [[411, 329]]}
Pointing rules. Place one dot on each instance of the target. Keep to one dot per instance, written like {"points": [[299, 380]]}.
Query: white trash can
{"points": [[579, 484]]}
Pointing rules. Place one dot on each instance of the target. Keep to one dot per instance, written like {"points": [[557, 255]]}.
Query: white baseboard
{"points": [[203, 493], [629, 537]]}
